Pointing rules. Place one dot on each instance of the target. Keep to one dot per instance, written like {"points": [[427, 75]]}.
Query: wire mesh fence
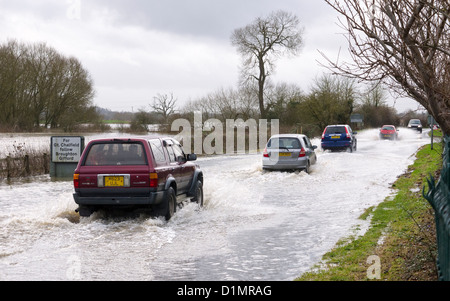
{"points": [[438, 196]]}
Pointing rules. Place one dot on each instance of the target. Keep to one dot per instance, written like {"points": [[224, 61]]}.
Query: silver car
{"points": [[415, 124], [289, 152]]}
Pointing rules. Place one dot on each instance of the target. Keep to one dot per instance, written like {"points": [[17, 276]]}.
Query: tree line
{"points": [[41, 87], [331, 99]]}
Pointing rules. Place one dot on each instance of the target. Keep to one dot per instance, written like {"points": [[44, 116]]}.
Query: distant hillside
{"points": [[107, 114]]}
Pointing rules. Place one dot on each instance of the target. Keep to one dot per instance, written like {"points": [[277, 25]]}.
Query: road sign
{"points": [[67, 149], [65, 154], [356, 118]]}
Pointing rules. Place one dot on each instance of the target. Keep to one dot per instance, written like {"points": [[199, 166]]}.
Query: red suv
{"points": [[151, 173]]}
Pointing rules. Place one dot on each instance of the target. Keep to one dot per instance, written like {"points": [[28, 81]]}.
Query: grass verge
{"points": [[400, 244]]}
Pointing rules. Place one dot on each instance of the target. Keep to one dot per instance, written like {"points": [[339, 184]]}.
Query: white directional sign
{"points": [[66, 149]]}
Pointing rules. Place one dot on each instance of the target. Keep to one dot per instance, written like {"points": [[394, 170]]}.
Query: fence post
{"points": [[8, 167], [46, 169], [26, 162]]}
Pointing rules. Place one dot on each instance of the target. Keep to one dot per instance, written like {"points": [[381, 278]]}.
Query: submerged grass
{"points": [[400, 244]]}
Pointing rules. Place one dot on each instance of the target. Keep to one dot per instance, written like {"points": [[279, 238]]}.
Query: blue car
{"points": [[339, 137]]}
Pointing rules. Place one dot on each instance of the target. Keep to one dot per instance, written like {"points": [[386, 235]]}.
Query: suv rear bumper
{"points": [[335, 144], [153, 198]]}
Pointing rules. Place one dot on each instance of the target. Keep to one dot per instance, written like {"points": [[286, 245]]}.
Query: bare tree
{"points": [[164, 105], [261, 42], [225, 104], [404, 43], [374, 95]]}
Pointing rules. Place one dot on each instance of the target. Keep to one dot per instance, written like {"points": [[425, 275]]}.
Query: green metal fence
{"points": [[438, 196]]}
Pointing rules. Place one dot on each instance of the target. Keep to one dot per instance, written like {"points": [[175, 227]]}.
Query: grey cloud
{"points": [[208, 18]]}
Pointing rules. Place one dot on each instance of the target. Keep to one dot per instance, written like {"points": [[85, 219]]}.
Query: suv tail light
{"points": [[302, 153], [323, 134], [153, 179], [265, 153], [348, 134], [76, 180]]}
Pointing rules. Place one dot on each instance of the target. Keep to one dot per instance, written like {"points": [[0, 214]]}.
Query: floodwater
{"points": [[255, 225]]}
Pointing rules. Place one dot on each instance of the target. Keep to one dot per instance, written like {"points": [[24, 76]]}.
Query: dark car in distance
{"points": [[152, 174], [339, 137]]}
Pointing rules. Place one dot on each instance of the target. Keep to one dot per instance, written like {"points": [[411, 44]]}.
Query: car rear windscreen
{"points": [[288, 143], [117, 153], [335, 130]]}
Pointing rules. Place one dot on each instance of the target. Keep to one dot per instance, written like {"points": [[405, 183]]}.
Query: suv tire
{"points": [[198, 195], [168, 207], [85, 211]]}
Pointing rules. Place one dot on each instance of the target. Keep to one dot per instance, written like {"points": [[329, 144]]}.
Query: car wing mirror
{"points": [[181, 159], [314, 147], [191, 157]]}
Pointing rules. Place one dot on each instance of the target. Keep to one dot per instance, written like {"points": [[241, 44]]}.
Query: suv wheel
{"points": [[198, 196], [168, 207], [85, 211]]}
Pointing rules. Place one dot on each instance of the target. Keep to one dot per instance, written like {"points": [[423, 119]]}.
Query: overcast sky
{"points": [[136, 49]]}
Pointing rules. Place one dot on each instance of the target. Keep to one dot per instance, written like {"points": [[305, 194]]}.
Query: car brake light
{"points": [[76, 180], [302, 153], [323, 134], [153, 179], [346, 131], [265, 153]]}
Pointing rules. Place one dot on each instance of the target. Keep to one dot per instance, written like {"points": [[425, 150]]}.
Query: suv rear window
{"points": [[117, 153], [158, 151], [335, 130]]}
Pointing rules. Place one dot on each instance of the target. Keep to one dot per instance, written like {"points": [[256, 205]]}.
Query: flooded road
{"points": [[255, 225]]}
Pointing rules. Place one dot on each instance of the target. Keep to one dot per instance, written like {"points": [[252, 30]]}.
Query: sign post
{"points": [[357, 119], [430, 120], [65, 154]]}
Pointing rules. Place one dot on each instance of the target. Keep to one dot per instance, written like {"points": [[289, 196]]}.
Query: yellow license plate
{"points": [[335, 137], [285, 154], [114, 182]]}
